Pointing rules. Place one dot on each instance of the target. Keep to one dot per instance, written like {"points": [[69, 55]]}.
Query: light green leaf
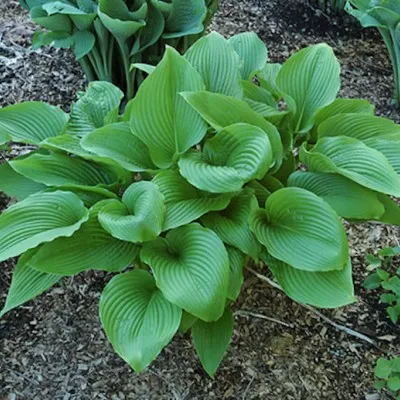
{"points": [[185, 18], [187, 321], [140, 216], [389, 148], [354, 160], [392, 210], [159, 115], [56, 22], [232, 223], [117, 142], [84, 42], [311, 78], [211, 339], [27, 284], [330, 289], [221, 111], [236, 278], [252, 52], [32, 122], [302, 230], [4, 137], [16, 185], [56, 169], [217, 63], [91, 247], [40, 218], [186, 272], [235, 155], [92, 108], [184, 202], [346, 197], [137, 318], [149, 69]]}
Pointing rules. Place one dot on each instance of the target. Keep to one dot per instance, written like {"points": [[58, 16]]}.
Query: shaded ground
{"points": [[54, 347]]}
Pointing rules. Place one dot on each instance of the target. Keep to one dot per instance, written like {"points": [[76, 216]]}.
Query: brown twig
{"points": [[244, 313]]}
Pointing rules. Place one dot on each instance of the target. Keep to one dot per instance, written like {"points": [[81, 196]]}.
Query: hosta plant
{"points": [[387, 372], [221, 159], [385, 16], [112, 38], [383, 278]]}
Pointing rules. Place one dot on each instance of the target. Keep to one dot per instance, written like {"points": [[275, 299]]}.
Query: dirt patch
{"points": [[54, 347]]}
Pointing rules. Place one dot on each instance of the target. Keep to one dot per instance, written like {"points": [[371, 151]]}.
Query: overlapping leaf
{"points": [[234, 156], [236, 278], [139, 321], [191, 268]]}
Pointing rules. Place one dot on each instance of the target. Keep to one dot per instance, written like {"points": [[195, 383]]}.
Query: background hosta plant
{"points": [[198, 177], [385, 16], [108, 36]]}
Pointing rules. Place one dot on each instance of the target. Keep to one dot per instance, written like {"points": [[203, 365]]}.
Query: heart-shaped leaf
{"points": [[140, 216], [137, 318], [299, 228], [40, 218], [234, 156], [185, 272]]}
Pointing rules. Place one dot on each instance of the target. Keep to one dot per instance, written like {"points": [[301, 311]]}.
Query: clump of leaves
{"points": [[382, 278], [385, 16], [199, 176], [387, 372], [107, 36]]}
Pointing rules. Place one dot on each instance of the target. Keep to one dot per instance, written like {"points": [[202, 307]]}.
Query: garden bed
{"points": [[55, 348]]}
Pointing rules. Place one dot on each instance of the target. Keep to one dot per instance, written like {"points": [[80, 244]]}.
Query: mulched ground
{"points": [[54, 347]]}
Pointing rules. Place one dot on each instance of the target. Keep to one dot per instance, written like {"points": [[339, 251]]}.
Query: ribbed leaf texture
{"points": [[236, 278]]}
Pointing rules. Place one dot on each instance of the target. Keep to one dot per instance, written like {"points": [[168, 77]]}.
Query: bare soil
{"points": [[54, 347]]}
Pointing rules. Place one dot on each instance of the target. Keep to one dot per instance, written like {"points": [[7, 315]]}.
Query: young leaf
{"points": [[32, 122], [185, 272], [236, 278], [211, 339], [372, 282], [140, 216], [383, 368], [354, 160], [160, 117], [252, 52], [234, 156], [393, 383], [117, 142], [221, 111], [27, 283], [231, 224], [346, 197], [40, 218], [187, 321], [311, 78], [91, 247], [137, 318], [184, 202], [298, 220], [218, 64], [329, 289]]}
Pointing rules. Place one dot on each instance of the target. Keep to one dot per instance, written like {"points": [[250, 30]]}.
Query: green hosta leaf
{"points": [[91, 247], [330, 289], [260, 191], [117, 142], [311, 78], [117, 18], [299, 228], [346, 197], [92, 108], [137, 318], [259, 95], [27, 284], [32, 122], [211, 339], [252, 52], [235, 155], [4, 138], [392, 210], [56, 22], [56, 169], [187, 321], [140, 216], [16, 185], [191, 267], [236, 278], [40, 218], [217, 63], [232, 223], [68, 144], [354, 160], [84, 42], [184, 202], [221, 111], [149, 69], [267, 79], [185, 18], [160, 117]]}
